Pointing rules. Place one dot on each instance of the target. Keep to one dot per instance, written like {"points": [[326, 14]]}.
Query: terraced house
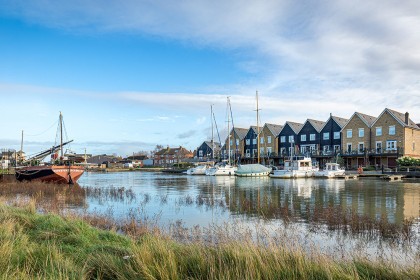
{"points": [[394, 135], [235, 141], [169, 156], [356, 140], [205, 151], [250, 145], [269, 144], [288, 138], [309, 137]]}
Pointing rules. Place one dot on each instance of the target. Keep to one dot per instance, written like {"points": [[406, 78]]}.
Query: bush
{"points": [[408, 161]]}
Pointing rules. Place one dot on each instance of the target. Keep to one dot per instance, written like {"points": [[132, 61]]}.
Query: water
{"points": [[274, 204]]}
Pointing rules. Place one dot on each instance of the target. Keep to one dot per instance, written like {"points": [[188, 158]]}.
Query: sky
{"points": [[128, 75]]}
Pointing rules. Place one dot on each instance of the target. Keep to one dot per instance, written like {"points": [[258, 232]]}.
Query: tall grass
{"points": [[51, 247]]}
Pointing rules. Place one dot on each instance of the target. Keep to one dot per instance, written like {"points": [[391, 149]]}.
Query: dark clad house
{"points": [[250, 146], [205, 151], [288, 138], [308, 138]]}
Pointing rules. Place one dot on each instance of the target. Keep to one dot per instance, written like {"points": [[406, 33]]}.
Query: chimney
{"points": [[406, 118]]}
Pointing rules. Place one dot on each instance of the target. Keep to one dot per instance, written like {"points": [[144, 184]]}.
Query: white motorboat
{"points": [[331, 170], [198, 170], [221, 169], [299, 168]]}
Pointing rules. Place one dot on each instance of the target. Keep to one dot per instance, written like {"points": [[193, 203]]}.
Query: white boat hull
{"points": [[329, 174], [290, 174]]}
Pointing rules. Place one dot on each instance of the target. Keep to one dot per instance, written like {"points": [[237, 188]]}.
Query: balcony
{"points": [[385, 152]]}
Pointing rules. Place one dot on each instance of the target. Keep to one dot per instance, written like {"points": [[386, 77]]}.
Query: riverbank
{"points": [[53, 247]]}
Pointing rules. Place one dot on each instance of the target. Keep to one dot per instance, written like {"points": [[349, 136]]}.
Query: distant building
{"points": [[107, 160], [205, 151], [170, 156]]}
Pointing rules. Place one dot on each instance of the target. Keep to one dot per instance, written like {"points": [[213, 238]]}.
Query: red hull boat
{"points": [[50, 173]]}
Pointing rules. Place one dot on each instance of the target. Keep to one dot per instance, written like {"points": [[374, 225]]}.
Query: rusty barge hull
{"points": [[50, 173]]}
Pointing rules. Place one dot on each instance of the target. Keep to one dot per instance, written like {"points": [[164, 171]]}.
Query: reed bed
{"points": [[47, 246]]}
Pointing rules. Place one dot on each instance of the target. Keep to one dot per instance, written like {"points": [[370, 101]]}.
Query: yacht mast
{"points": [[228, 129], [258, 132], [212, 131], [61, 137]]}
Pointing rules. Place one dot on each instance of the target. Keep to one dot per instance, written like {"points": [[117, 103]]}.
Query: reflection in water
{"points": [[374, 207]]}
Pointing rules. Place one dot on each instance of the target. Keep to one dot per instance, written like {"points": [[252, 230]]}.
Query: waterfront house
{"points": [[308, 138], [235, 141], [330, 140], [135, 161], [250, 145], [104, 160], [269, 144], [356, 139], [170, 156], [205, 150], [394, 135], [288, 138]]}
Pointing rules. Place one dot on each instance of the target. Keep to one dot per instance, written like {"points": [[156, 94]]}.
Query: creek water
{"points": [[301, 208]]}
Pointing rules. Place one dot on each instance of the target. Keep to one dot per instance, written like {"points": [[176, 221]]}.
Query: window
{"points": [[336, 148], [231, 142], [290, 150], [282, 151], [303, 137], [237, 142], [269, 139], [254, 152], [200, 153], [326, 148], [312, 148], [282, 139], [247, 153], [262, 140], [336, 134], [361, 132], [303, 149], [291, 139], [254, 141], [378, 147], [349, 133], [361, 147], [391, 145], [312, 136], [269, 150], [261, 151], [326, 136], [391, 130], [379, 131], [248, 141], [349, 147]]}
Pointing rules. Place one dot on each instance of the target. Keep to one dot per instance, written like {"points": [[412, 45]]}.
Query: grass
{"points": [[47, 246]]}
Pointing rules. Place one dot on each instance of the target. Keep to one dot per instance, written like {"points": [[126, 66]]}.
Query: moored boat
{"points": [[252, 170], [221, 169], [330, 171], [299, 168]]}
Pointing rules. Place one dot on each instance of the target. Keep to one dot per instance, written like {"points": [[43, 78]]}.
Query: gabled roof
{"points": [[368, 120], [216, 144], [274, 128], [241, 132], [400, 117], [338, 120], [296, 127], [254, 128], [318, 125]]}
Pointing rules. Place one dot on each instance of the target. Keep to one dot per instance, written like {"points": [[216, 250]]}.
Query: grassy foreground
{"points": [[52, 247]]}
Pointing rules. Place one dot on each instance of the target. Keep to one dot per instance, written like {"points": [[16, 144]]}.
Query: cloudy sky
{"points": [[128, 75]]}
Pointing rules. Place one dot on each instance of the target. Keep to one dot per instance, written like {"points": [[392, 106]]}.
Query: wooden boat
{"points": [[63, 172]]}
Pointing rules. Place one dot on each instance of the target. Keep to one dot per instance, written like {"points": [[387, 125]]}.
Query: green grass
{"points": [[35, 246]]}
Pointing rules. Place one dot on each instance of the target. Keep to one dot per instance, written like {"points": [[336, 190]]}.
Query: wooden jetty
{"points": [[393, 177], [348, 176]]}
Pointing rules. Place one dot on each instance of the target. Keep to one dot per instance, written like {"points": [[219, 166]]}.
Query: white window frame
{"points": [[282, 139], [349, 133], [248, 141], [376, 145], [336, 134], [391, 130], [378, 131], [337, 148], [269, 149], [312, 137], [248, 153], [361, 132], [254, 152], [391, 145], [254, 141], [269, 139], [351, 147], [262, 140], [303, 137], [237, 142], [262, 150], [326, 136], [291, 138], [362, 144], [200, 153], [326, 148]]}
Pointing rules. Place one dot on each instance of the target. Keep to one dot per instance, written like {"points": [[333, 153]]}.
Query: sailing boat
{"points": [[64, 172], [224, 168], [254, 170]]}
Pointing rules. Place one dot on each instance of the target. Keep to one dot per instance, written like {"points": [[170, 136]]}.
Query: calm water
{"points": [[208, 200]]}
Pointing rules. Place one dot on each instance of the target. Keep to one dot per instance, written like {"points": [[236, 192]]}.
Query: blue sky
{"points": [[133, 74]]}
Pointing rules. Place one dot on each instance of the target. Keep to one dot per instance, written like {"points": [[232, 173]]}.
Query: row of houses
{"points": [[361, 140]]}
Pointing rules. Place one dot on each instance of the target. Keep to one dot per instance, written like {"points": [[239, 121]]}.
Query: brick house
{"points": [[170, 156], [356, 140], [235, 141], [269, 143], [394, 135]]}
